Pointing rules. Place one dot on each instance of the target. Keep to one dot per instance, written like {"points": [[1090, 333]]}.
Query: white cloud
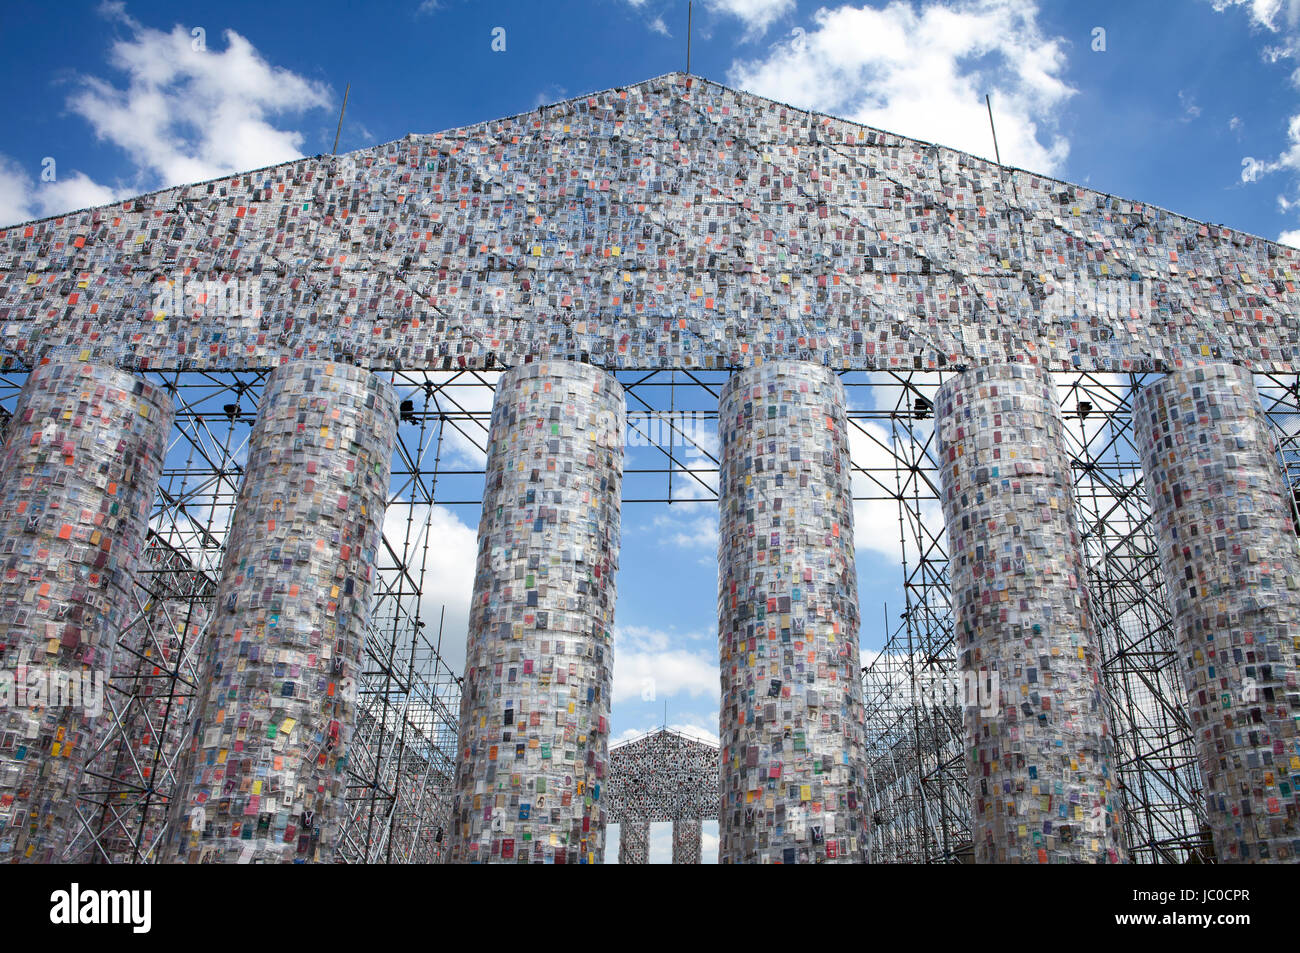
{"points": [[710, 842], [75, 192], [701, 728], [757, 15], [1281, 19], [657, 25], [695, 532], [458, 393], [1252, 168], [15, 193], [875, 521], [1263, 13], [450, 551], [661, 843], [549, 95], [645, 662], [1290, 237], [922, 70], [186, 115], [22, 198], [627, 734], [1264, 18], [183, 115]]}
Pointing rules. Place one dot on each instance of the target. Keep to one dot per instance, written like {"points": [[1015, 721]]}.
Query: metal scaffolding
{"points": [[402, 755], [404, 749]]}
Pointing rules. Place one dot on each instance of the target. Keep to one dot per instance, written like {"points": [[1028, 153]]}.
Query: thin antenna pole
{"points": [[989, 103], [689, 7], [341, 112], [998, 155]]}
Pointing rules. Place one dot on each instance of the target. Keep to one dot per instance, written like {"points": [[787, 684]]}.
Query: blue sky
{"points": [[1193, 105], [1182, 93]]}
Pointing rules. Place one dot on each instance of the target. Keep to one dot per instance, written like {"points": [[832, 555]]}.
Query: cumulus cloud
{"points": [[1265, 13], [648, 664], [1280, 21], [15, 193], [756, 15], [1252, 168], [922, 70], [448, 550], [23, 198], [187, 114], [699, 530], [182, 110], [467, 398], [875, 520]]}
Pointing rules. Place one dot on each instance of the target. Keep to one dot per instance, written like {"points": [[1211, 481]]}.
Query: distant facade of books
{"points": [[662, 776]]}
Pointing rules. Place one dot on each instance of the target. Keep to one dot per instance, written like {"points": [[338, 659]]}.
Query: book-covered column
{"points": [[791, 720], [266, 775], [78, 472], [1040, 759], [1222, 519], [534, 715], [633, 841], [688, 840]]}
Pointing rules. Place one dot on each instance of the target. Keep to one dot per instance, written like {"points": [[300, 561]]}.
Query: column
{"points": [[534, 717], [791, 721], [1222, 518], [633, 841], [266, 778], [78, 473], [1040, 759], [688, 841]]}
